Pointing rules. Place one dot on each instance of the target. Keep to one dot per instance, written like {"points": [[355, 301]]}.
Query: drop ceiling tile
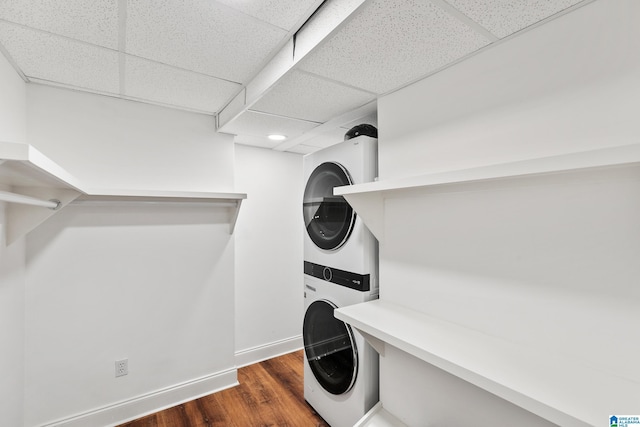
{"points": [[389, 44], [258, 124], [161, 83], [93, 21], [200, 35], [305, 96], [281, 13], [505, 17], [320, 25], [61, 60]]}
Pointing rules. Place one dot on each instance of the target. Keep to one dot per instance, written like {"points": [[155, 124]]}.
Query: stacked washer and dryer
{"points": [[340, 269]]}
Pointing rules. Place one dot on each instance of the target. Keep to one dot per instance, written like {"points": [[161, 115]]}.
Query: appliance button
{"points": [[327, 274]]}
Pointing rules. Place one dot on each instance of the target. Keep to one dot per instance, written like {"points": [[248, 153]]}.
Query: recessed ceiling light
{"points": [[275, 137]]}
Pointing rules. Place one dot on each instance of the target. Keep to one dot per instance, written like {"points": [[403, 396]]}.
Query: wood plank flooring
{"points": [[270, 394]]}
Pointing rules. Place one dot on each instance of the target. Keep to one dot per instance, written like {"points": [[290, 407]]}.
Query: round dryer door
{"points": [[330, 348], [328, 219]]}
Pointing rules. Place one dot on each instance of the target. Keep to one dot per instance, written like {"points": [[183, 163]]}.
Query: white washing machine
{"points": [[336, 240], [340, 367], [341, 269]]}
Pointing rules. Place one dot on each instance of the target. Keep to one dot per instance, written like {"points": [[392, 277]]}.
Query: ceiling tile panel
{"points": [[281, 13], [309, 97], [200, 35], [61, 60], [321, 24], [505, 17], [258, 124], [169, 85], [389, 44], [94, 21]]}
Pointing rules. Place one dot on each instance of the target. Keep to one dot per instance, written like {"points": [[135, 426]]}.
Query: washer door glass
{"points": [[330, 348], [329, 219]]}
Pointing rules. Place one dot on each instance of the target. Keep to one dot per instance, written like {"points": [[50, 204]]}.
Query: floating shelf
{"points": [[368, 198], [31, 176], [561, 389]]}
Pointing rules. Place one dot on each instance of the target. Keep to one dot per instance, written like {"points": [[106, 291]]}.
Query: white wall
{"points": [[13, 119], [269, 303], [443, 399], [572, 84], [153, 284], [548, 263], [112, 143], [12, 129], [150, 283], [12, 311]]}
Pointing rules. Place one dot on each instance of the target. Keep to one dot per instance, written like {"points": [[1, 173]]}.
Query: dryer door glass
{"points": [[330, 348], [329, 219]]}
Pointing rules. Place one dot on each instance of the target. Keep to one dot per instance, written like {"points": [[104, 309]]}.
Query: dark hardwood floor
{"points": [[270, 394]]}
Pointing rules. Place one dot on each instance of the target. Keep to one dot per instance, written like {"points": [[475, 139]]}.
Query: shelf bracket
{"points": [[370, 207], [377, 344], [27, 213], [235, 211]]}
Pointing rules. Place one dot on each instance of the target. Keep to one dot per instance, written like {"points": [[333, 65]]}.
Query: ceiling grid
{"points": [[205, 55]]}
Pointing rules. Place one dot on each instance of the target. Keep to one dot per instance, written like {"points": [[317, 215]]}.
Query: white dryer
{"points": [[341, 269], [340, 367], [337, 245]]}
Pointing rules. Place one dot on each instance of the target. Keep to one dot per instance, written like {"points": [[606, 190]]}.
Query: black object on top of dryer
{"points": [[363, 129], [359, 282]]}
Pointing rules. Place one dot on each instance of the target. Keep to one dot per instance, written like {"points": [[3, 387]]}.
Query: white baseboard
{"points": [[146, 404], [267, 351]]}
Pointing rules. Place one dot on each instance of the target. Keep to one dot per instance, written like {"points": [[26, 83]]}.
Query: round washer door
{"points": [[330, 348], [328, 219]]}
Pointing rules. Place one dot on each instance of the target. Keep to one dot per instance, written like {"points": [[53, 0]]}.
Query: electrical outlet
{"points": [[122, 367]]}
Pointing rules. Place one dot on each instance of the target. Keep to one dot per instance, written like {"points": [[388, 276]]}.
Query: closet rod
{"points": [[6, 196]]}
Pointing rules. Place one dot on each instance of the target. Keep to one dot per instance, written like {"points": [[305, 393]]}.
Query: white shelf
{"points": [[24, 166], [559, 388], [178, 196], [368, 198], [27, 172]]}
